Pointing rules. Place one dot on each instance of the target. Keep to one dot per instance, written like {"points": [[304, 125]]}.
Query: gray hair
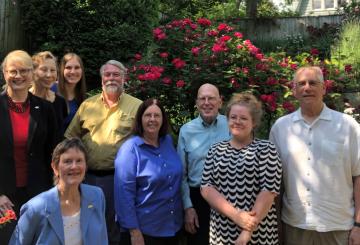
{"points": [[114, 63], [316, 69]]}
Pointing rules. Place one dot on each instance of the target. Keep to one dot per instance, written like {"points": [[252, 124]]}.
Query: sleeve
{"points": [[74, 128], [103, 234], [52, 138], [270, 169], [354, 148], [208, 178], [185, 189], [126, 163], [25, 231]]}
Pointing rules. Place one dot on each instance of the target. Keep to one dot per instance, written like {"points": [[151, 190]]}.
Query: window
{"points": [[326, 4]]}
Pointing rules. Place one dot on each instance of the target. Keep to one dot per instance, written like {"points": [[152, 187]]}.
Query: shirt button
{"points": [[309, 204], [169, 176], [308, 158], [170, 188], [171, 200], [172, 212], [308, 189], [309, 143], [164, 165]]}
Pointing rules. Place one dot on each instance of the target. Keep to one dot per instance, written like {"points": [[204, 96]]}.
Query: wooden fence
{"points": [[279, 28], [12, 35]]}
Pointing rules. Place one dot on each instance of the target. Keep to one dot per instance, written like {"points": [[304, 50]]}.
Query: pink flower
{"points": [[225, 38], [159, 34], [138, 57], [163, 55], [293, 66], [204, 22], [224, 27], [195, 51], [166, 80], [178, 63], [193, 26], [238, 34], [247, 42], [271, 81], [219, 47], [314, 52], [329, 84], [180, 83], [239, 46], [288, 106], [212, 33], [347, 68], [259, 56], [234, 83]]}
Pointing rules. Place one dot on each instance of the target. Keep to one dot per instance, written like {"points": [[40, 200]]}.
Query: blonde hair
{"points": [[41, 57], [249, 101], [20, 56]]}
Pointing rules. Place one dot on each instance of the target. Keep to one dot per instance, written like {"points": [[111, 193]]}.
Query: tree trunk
{"points": [[251, 8]]}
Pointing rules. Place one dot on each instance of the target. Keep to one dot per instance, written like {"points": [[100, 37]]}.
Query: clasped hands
{"points": [[248, 223]]}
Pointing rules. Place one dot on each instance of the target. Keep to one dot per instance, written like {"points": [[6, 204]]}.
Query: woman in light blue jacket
{"points": [[71, 213]]}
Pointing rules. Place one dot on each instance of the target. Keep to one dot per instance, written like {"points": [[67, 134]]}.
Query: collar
{"points": [[117, 102], [325, 114], [138, 140], [207, 125]]}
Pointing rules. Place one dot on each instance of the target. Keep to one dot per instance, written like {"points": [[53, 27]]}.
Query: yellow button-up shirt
{"points": [[102, 128]]}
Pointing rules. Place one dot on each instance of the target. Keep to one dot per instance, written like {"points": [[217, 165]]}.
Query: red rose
{"points": [[180, 83]]}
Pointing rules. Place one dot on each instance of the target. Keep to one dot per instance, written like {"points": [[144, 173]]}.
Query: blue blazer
{"points": [[41, 220]]}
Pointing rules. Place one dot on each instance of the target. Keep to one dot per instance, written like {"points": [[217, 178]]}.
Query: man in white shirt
{"points": [[319, 148]]}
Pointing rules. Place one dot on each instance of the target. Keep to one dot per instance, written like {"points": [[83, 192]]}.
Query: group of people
{"points": [[119, 179]]}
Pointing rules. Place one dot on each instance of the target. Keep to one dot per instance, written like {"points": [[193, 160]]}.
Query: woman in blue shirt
{"points": [[148, 175]]}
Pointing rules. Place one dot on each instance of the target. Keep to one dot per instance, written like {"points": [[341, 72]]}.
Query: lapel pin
{"points": [[90, 206], [37, 107]]}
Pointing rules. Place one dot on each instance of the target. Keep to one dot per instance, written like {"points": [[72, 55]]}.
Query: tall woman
{"points": [[148, 175], [27, 137], [45, 75], [72, 85], [240, 180]]}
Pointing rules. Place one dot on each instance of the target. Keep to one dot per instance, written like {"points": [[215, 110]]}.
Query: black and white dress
{"points": [[240, 174]]}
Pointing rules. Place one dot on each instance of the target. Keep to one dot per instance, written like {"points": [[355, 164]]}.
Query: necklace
{"points": [[19, 107]]}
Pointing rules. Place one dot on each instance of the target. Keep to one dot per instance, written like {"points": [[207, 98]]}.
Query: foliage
{"points": [[188, 54], [350, 11], [347, 50], [96, 30]]}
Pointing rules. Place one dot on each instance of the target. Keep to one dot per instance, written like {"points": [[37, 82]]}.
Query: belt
{"points": [[100, 172]]}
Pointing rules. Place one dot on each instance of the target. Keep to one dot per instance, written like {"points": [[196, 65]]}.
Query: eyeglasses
{"points": [[312, 83], [209, 99], [21, 72]]}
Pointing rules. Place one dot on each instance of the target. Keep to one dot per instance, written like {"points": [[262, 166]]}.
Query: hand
{"points": [[354, 238], [247, 220], [5, 204], [244, 238], [191, 220], [136, 237]]}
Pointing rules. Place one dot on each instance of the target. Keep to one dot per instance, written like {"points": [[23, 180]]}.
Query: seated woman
{"points": [[148, 175], [45, 75], [240, 180], [71, 85], [69, 213]]}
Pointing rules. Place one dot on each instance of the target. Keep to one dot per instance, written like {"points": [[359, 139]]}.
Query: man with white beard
{"points": [[102, 122]]}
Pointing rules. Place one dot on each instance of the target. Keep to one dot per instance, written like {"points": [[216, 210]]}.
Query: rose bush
{"points": [[187, 53]]}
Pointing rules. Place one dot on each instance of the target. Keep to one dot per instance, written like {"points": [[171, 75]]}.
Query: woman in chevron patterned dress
{"points": [[240, 180]]}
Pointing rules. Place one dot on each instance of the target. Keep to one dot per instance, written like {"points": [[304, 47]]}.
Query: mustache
{"points": [[111, 83]]}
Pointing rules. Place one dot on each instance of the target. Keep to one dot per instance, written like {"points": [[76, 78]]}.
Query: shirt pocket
{"points": [[332, 153]]}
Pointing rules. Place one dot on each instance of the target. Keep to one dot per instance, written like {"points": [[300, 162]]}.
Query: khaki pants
{"points": [[296, 236]]}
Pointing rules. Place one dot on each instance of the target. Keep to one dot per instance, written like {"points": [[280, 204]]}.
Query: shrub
{"points": [[187, 54], [96, 30]]}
